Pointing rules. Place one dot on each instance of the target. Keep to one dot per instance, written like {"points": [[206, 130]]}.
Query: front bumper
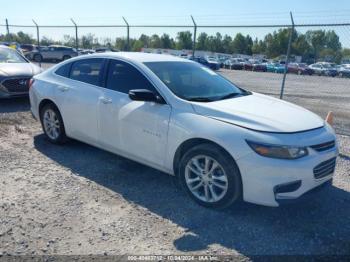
{"points": [[261, 176]]}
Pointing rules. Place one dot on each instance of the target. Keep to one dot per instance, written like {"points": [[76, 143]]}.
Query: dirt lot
{"points": [[76, 199]]}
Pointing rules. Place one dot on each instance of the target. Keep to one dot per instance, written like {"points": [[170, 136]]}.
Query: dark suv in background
{"points": [[53, 52]]}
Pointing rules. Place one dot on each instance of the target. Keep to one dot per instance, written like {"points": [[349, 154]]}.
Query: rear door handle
{"points": [[63, 88], [105, 100]]}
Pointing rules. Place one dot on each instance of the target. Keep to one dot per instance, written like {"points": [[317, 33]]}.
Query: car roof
{"points": [[140, 57]]}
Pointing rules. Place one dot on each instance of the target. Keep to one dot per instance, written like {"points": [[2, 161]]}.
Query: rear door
{"points": [[78, 97], [136, 128]]}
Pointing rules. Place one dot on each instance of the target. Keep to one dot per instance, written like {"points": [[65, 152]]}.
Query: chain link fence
{"points": [[286, 49]]}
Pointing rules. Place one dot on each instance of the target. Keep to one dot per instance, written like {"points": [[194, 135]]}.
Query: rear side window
{"points": [[63, 70], [88, 71], [123, 77]]}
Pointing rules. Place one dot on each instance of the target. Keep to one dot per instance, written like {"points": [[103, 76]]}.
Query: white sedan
{"points": [[222, 142]]}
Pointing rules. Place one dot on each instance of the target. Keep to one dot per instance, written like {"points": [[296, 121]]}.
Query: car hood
{"points": [[19, 69], [261, 113]]}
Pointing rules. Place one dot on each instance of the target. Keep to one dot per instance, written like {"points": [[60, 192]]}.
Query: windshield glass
{"points": [[192, 81], [10, 56]]}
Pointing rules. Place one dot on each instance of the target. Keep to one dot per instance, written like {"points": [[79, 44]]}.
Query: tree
{"points": [[184, 40], [249, 45], [121, 43], [137, 46], [166, 42], [239, 44], [226, 44], [88, 41], [155, 41], [317, 40], [145, 40], [202, 41]]}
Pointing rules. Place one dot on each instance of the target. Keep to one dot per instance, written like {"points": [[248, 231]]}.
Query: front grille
{"points": [[323, 146], [17, 85], [325, 168]]}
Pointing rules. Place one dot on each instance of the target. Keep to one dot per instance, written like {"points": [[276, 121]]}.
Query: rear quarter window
{"points": [[63, 70]]}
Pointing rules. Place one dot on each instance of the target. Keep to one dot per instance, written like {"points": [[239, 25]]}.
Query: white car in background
{"points": [[222, 142]]}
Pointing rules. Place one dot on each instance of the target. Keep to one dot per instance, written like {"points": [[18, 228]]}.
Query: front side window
{"points": [[194, 82], [87, 71], [123, 77]]}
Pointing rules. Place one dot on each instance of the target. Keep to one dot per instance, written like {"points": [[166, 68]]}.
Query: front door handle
{"points": [[105, 100], [63, 88]]}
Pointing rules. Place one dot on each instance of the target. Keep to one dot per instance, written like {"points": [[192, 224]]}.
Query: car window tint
{"points": [[63, 70], [123, 77], [87, 70]]}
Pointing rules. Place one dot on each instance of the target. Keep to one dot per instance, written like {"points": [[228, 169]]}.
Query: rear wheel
{"points": [[38, 58], [210, 176], [66, 57], [52, 124]]}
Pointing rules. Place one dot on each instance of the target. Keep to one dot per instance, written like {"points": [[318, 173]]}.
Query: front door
{"points": [[136, 128]]}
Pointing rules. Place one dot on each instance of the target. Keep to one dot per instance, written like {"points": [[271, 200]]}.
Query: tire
{"points": [[38, 58], [65, 57], [52, 115], [227, 176]]}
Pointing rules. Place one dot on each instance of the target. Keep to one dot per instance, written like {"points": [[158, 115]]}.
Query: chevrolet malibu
{"points": [[222, 142]]}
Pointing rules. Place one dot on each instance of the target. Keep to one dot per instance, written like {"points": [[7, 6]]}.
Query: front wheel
{"points": [[52, 124], [210, 176]]}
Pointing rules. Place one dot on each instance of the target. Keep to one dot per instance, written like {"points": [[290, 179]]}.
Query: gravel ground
{"points": [[76, 199]]}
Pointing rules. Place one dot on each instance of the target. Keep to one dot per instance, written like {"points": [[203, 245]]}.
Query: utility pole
{"points": [[76, 34], [127, 34], [194, 36], [288, 55], [37, 38], [37, 33], [7, 26]]}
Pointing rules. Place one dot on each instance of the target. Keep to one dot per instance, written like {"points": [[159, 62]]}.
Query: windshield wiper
{"points": [[200, 99], [230, 95]]}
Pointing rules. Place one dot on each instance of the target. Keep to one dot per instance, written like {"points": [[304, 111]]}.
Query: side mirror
{"points": [[145, 95]]}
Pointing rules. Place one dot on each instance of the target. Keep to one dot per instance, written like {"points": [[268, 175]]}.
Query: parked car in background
{"points": [[300, 69], [85, 51], [234, 63], [258, 66], [52, 52], [223, 143], [344, 70], [324, 69], [27, 49], [275, 67], [208, 61], [247, 65], [105, 49], [15, 73]]}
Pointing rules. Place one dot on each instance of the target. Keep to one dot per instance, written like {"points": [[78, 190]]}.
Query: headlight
{"points": [[277, 151]]}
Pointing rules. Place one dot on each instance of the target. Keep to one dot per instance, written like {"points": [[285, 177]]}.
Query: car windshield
{"points": [[194, 82], [8, 55]]}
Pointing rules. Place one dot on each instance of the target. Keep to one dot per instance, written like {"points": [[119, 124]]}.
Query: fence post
{"points": [[288, 54], [127, 34], [7, 26], [37, 37], [194, 36], [76, 34]]}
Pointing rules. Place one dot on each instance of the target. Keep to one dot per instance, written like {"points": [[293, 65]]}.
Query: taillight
{"points": [[31, 82]]}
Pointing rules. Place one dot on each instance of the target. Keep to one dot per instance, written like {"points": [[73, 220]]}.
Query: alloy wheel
{"points": [[206, 179], [51, 124]]}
